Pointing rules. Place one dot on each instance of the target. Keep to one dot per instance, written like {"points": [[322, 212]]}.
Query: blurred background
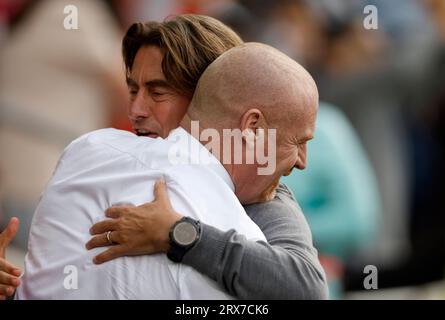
{"points": [[371, 191]]}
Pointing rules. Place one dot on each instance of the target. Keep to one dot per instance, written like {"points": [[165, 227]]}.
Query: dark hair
{"points": [[189, 44]]}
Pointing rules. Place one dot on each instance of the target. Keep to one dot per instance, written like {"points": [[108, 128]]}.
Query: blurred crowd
{"points": [[371, 192]]}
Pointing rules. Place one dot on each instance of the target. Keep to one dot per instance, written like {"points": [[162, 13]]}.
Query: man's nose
{"points": [[302, 159], [138, 108]]}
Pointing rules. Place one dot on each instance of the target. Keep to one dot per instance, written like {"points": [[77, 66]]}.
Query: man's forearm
{"points": [[285, 268], [256, 270]]}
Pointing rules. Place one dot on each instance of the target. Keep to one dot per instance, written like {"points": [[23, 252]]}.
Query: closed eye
{"points": [[157, 96]]}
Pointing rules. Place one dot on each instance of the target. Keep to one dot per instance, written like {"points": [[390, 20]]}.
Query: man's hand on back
{"points": [[8, 273], [135, 230]]}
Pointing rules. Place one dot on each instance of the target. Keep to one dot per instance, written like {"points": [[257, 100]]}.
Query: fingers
{"points": [[7, 279], [110, 254], [160, 191], [6, 290], [9, 268], [114, 211], [100, 241], [9, 233], [12, 228], [104, 226]]}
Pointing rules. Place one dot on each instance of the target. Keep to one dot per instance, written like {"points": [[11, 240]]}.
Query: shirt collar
{"points": [[193, 149]]}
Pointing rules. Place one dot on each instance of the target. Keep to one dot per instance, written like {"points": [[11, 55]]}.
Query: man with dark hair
{"points": [[107, 166], [150, 101]]}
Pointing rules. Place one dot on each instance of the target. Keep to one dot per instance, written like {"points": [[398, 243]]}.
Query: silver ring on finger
{"points": [[109, 238]]}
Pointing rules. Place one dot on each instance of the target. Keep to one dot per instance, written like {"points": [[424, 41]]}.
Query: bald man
{"points": [[249, 88]]}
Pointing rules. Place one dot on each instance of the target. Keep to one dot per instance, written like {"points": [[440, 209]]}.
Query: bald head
{"points": [[250, 76], [257, 89]]}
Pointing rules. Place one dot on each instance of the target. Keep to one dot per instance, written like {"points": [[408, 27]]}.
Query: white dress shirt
{"points": [[108, 167]]}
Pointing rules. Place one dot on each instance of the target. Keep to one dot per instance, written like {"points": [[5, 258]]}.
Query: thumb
{"points": [[160, 191], [9, 233]]}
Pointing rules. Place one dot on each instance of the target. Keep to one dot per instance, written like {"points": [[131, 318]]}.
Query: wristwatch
{"points": [[183, 236]]}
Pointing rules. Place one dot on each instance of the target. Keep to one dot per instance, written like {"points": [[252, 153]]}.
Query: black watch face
{"points": [[184, 233]]}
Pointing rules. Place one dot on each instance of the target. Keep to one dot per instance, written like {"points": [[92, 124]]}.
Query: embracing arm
{"points": [[286, 267]]}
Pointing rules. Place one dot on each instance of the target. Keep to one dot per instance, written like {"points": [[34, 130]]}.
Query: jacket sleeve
{"points": [[284, 267]]}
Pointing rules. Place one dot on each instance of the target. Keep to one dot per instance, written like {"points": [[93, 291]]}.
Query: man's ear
{"points": [[251, 120]]}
